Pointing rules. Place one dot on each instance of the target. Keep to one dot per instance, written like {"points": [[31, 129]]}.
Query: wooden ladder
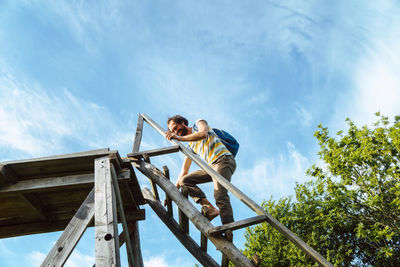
{"points": [[141, 161]]}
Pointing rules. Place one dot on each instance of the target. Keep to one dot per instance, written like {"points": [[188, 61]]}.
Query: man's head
{"points": [[178, 125]]}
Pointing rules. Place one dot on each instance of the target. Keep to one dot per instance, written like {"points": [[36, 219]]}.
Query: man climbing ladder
{"points": [[205, 143]]}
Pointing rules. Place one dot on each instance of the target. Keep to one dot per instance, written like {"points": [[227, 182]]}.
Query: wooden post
{"points": [[153, 185], [129, 251], [183, 219], [167, 198], [106, 231], [60, 252], [135, 239], [138, 135]]}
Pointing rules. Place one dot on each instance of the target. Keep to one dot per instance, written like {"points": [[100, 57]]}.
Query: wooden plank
{"points": [[56, 165], [106, 232], [64, 182], [138, 135], [135, 239], [31, 228], [129, 250], [167, 198], [237, 225], [224, 261], [155, 152], [183, 219], [60, 252], [186, 240], [7, 175], [96, 152], [153, 185], [245, 199], [139, 215], [193, 214], [203, 242], [36, 204]]}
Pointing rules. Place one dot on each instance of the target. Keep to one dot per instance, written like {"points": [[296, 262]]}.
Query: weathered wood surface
{"points": [[186, 240], [193, 214], [167, 198], [60, 165], [7, 175], [237, 225], [72, 234], [135, 239], [245, 199], [44, 213], [138, 135], [106, 231], [120, 206], [183, 219], [138, 215], [154, 152]]}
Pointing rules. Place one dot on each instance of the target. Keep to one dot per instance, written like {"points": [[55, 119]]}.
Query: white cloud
{"points": [[303, 116], [35, 123], [274, 176], [156, 262], [36, 258]]}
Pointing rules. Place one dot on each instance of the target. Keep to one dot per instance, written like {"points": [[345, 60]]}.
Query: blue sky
{"points": [[75, 74]]}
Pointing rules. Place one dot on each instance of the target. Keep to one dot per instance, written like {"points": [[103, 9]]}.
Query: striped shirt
{"points": [[209, 148]]}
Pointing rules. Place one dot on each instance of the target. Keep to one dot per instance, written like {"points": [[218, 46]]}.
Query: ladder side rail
{"points": [[241, 196]]}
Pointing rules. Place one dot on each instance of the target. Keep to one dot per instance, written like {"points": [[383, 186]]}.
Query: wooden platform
{"points": [[43, 194]]}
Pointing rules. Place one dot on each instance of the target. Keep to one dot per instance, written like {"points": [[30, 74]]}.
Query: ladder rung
{"points": [[155, 152], [237, 225]]}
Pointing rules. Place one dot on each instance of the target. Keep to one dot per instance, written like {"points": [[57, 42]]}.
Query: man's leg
{"points": [[226, 167], [189, 184]]}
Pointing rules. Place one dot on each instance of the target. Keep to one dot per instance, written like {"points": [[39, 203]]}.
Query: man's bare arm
{"points": [[185, 169]]}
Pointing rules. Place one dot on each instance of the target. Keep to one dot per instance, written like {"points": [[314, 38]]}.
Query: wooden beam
{"points": [[97, 152], [135, 239], [60, 252], [203, 242], [193, 214], [138, 135], [106, 231], [237, 225], [153, 185], [7, 175], [183, 219], [186, 240], [31, 228], [245, 199], [36, 204], [167, 198], [154, 152], [138, 215], [33, 185], [129, 250]]}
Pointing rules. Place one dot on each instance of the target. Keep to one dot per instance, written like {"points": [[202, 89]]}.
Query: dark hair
{"points": [[178, 119]]}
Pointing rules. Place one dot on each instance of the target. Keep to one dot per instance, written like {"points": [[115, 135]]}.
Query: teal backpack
{"points": [[228, 140]]}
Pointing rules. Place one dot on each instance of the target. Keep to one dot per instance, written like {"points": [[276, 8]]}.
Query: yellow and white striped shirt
{"points": [[210, 148]]}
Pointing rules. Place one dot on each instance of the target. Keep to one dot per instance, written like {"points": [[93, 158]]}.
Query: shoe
{"points": [[206, 213]]}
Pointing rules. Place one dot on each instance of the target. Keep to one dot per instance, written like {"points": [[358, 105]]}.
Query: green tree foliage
{"points": [[350, 211]]}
